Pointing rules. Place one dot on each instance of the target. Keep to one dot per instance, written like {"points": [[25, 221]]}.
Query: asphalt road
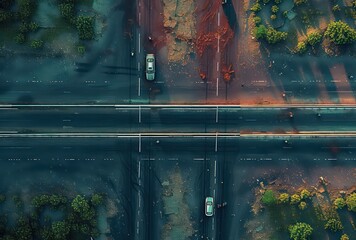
{"points": [[167, 119]]}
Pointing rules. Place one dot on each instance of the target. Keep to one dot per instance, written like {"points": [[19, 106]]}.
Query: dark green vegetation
{"points": [[295, 25], [17, 21], [78, 218], [309, 214]]}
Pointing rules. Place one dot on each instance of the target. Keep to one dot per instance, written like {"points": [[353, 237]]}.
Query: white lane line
{"points": [[217, 66], [219, 18], [139, 18], [212, 226], [218, 43], [139, 87], [216, 142], [139, 42], [217, 114], [139, 114], [215, 169], [139, 201], [214, 180], [217, 86], [138, 66], [139, 143], [139, 169], [214, 194]]}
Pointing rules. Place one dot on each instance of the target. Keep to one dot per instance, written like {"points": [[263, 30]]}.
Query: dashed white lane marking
{"points": [[217, 86], [139, 143], [139, 42], [217, 66], [216, 142], [139, 169], [139, 87], [215, 169], [217, 114], [218, 43], [138, 66], [219, 18]]}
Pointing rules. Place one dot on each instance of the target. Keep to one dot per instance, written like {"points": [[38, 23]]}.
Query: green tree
{"points": [[301, 47], [260, 32], [344, 237], [340, 33], [304, 194], [302, 205], [269, 198], [274, 36], [85, 27], [81, 206], [299, 2], [334, 225], [274, 8], [283, 198], [314, 38], [4, 16], [67, 11], [23, 229], [257, 20], [295, 199], [256, 7], [339, 203], [273, 17], [300, 231], [96, 199], [351, 202], [60, 230]]}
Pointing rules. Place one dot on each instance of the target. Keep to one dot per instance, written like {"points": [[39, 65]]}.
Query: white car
{"points": [[150, 67], [209, 206]]}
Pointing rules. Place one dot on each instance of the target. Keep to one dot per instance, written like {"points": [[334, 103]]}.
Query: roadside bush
{"points": [[351, 202], [26, 8], [300, 231], [268, 198], [299, 2], [301, 48], [295, 199], [256, 7], [273, 17], [81, 206], [67, 11], [33, 27], [283, 198], [339, 203], [274, 36], [60, 230], [340, 33], [96, 199], [260, 32], [304, 194], [314, 38], [334, 225], [274, 8], [85, 26], [81, 49]]}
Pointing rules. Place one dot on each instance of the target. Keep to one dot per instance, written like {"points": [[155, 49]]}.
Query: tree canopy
{"points": [[300, 231], [340, 33]]}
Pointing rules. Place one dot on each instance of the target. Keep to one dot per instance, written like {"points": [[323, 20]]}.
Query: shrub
{"points": [[340, 33], [4, 16], [268, 197], [299, 2], [67, 11], [283, 198], [304, 194], [260, 32], [274, 36], [257, 20], [301, 47], [339, 203], [266, 1], [256, 7], [295, 199], [278, 1], [302, 205], [300, 231], [33, 26], [333, 225], [274, 8], [351, 202], [81, 49], [273, 17], [344, 237], [60, 230], [85, 26], [314, 38], [36, 44], [96, 199], [336, 8]]}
